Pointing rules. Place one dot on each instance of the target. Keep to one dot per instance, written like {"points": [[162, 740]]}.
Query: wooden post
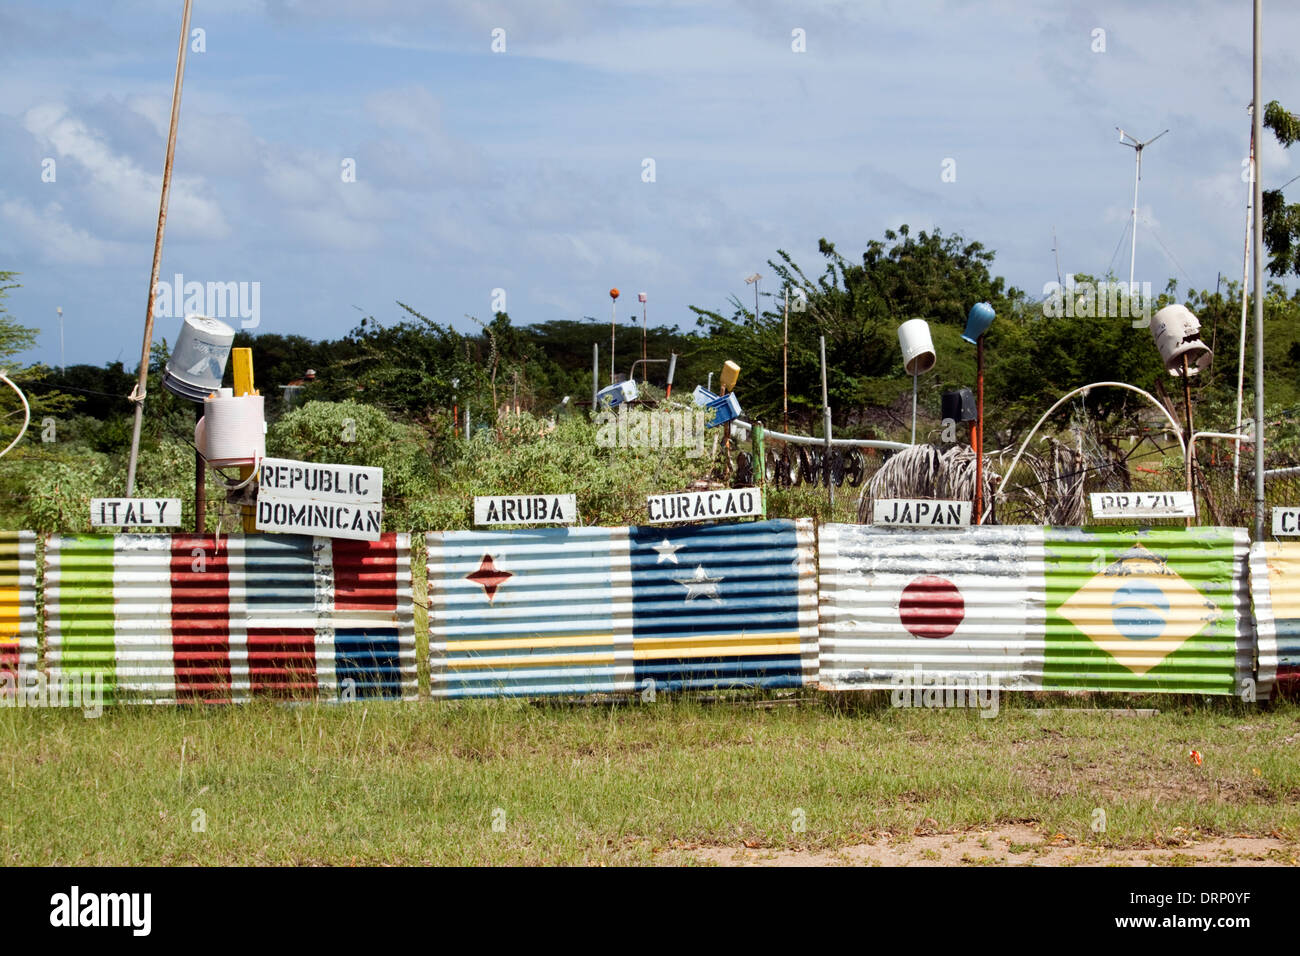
{"points": [[243, 376]]}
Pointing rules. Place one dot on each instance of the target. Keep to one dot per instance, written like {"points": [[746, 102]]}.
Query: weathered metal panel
{"points": [[1023, 608], [604, 610], [17, 609], [952, 607], [1275, 588], [1154, 609], [179, 618]]}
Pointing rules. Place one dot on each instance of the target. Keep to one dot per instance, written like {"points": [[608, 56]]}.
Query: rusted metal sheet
{"points": [[605, 610], [1275, 589], [1025, 608], [182, 618], [17, 609], [901, 607]]}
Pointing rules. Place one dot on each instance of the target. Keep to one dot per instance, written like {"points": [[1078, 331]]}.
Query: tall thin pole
{"points": [[645, 375], [785, 366], [137, 395], [826, 425], [979, 430], [1245, 299], [62, 366], [595, 374], [1256, 115], [613, 308], [914, 408], [1132, 255], [1191, 446]]}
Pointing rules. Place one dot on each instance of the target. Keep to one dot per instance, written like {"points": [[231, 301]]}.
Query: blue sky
{"points": [[522, 170]]}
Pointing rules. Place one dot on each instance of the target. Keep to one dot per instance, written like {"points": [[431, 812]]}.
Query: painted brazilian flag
{"points": [[1156, 609]]}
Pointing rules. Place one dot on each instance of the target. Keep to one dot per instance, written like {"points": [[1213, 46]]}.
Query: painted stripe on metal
{"points": [[79, 622], [1275, 590], [18, 651], [955, 607], [1156, 609], [200, 624]]}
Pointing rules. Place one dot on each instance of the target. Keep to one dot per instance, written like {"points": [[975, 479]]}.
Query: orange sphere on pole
{"points": [[613, 293]]}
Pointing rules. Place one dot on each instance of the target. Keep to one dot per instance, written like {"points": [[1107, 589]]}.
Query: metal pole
{"points": [[137, 396], [613, 307], [979, 431], [595, 374], [1256, 115], [785, 366], [826, 425], [1132, 256], [62, 366], [1191, 447], [467, 421], [200, 481], [1245, 299], [913, 408], [644, 379]]}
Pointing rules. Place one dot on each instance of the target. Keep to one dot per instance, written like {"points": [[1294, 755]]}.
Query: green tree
{"points": [[1281, 221]]}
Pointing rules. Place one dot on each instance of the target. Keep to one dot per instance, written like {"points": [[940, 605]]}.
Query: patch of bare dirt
{"points": [[1011, 845]]}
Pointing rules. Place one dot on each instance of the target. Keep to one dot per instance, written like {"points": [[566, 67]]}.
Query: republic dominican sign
{"points": [[705, 505], [921, 513], [135, 512], [525, 509], [334, 501]]}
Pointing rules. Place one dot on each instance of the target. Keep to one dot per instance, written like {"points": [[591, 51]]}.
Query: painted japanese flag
{"points": [[961, 605]]}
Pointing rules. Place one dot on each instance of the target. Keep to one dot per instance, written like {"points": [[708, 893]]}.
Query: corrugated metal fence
{"points": [[602, 610], [18, 651], [176, 618], [1275, 586], [1025, 608]]}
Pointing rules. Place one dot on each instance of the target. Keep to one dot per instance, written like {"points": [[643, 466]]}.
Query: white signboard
{"points": [[921, 512], [135, 512], [1286, 521], [334, 501], [1143, 504], [705, 505], [525, 509]]}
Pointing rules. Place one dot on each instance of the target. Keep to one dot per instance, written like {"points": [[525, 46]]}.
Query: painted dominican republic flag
{"points": [[1026, 608], [1275, 587], [17, 609], [606, 610], [178, 618]]}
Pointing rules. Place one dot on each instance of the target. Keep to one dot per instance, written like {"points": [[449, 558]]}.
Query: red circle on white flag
{"points": [[931, 606]]}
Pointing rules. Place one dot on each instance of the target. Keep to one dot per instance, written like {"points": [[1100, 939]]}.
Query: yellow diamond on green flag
{"points": [[1139, 610]]}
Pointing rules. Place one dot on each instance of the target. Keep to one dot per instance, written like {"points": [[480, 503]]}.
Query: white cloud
{"points": [[54, 240], [118, 188]]}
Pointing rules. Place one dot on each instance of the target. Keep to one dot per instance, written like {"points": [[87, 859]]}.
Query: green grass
{"points": [[418, 783]]}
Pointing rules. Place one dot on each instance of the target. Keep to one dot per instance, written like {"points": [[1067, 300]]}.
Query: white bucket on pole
{"points": [[918, 347], [232, 430], [198, 361], [1177, 333]]}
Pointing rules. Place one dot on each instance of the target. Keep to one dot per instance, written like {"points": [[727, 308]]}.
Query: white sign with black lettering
{"points": [[525, 509], [1143, 504], [135, 512], [1286, 521], [921, 512], [705, 505], [334, 501]]}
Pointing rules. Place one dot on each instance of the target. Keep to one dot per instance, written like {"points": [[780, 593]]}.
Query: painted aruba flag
{"points": [[603, 610], [176, 618]]}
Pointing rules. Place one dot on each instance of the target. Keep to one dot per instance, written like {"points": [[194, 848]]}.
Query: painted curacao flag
{"points": [[959, 606], [17, 609], [606, 610], [182, 618]]}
